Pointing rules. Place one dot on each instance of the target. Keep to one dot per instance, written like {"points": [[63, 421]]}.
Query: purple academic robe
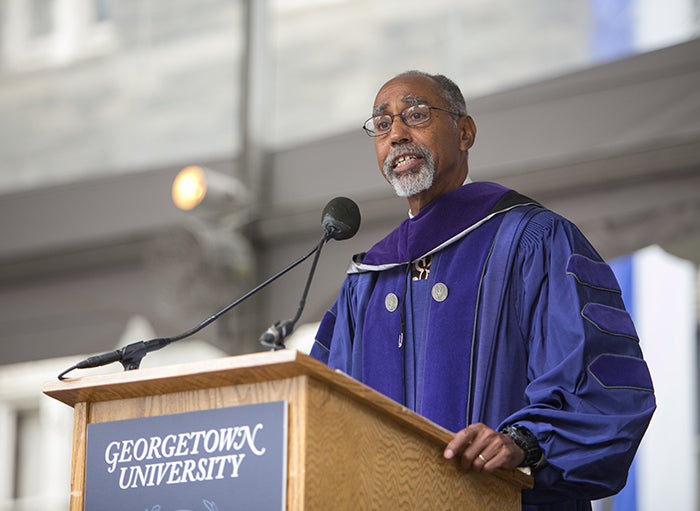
{"points": [[525, 324]]}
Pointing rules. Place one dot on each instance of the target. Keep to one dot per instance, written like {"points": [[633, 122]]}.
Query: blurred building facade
{"points": [[590, 107]]}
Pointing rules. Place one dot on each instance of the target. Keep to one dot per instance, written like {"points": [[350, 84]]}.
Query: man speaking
{"points": [[489, 314]]}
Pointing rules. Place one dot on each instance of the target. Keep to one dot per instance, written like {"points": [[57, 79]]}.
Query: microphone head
{"points": [[340, 218]]}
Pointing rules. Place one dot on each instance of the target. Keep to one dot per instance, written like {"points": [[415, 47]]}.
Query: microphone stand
{"points": [[130, 356], [274, 337]]}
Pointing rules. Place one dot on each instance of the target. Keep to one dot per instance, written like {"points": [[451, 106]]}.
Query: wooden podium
{"points": [[349, 447]]}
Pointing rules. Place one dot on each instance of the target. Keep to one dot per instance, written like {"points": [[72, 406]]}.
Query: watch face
{"points": [[524, 439]]}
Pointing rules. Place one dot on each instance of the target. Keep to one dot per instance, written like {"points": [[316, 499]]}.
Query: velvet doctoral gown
{"points": [[519, 321]]}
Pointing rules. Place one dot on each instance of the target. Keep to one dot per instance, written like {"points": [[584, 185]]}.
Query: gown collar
{"points": [[443, 221]]}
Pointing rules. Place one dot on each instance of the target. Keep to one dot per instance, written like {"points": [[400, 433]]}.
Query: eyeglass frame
{"points": [[374, 134]]}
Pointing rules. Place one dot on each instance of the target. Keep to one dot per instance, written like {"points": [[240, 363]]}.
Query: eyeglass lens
{"points": [[411, 116]]}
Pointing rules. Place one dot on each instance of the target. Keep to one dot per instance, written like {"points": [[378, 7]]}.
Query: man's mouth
{"points": [[405, 162]]}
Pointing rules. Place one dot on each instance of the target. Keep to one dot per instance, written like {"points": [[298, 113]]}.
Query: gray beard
{"points": [[414, 182]]}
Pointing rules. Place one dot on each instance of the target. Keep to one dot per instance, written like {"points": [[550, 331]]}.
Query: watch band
{"points": [[525, 439]]}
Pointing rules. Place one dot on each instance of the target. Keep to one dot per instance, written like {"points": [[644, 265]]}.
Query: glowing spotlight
{"points": [[189, 188], [209, 191]]}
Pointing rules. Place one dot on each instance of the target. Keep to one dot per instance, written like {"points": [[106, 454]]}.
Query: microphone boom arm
{"points": [[130, 356], [340, 220]]}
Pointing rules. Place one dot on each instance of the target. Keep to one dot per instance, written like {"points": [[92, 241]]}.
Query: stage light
{"points": [[189, 188], [208, 191]]}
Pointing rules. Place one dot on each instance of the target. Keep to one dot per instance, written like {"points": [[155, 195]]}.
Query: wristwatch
{"points": [[525, 439]]}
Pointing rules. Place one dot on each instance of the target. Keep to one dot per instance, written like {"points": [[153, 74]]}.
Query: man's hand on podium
{"points": [[480, 448]]}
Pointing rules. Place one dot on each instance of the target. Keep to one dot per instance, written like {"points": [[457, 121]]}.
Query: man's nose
{"points": [[399, 132]]}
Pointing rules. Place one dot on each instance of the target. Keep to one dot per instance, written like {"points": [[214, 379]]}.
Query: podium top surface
{"points": [[244, 369], [235, 370]]}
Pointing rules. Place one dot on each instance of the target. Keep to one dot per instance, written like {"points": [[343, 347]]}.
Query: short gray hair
{"points": [[449, 90]]}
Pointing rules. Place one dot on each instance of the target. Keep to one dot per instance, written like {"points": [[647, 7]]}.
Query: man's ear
{"points": [[467, 132]]}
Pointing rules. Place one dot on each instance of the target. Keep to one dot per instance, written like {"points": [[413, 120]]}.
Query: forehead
{"points": [[406, 90]]}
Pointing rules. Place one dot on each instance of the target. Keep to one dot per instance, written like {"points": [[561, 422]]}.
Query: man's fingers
{"points": [[468, 443], [479, 447], [462, 439]]}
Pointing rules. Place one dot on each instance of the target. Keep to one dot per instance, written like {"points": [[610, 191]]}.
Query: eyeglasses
{"points": [[412, 116]]}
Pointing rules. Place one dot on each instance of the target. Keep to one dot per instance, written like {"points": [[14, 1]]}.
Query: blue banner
{"points": [[213, 460]]}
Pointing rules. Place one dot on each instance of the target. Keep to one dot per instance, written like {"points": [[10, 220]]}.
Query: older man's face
{"points": [[427, 160]]}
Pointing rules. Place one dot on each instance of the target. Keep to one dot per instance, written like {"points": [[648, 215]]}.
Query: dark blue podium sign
{"points": [[213, 460]]}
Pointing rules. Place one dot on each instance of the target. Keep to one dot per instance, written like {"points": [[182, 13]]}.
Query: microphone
{"points": [[340, 220]]}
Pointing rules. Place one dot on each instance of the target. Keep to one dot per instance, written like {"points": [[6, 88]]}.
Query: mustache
{"points": [[397, 151]]}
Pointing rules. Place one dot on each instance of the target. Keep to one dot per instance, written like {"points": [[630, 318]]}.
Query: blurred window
{"points": [[331, 56], [40, 34], [108, 87], [99, 87]]}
